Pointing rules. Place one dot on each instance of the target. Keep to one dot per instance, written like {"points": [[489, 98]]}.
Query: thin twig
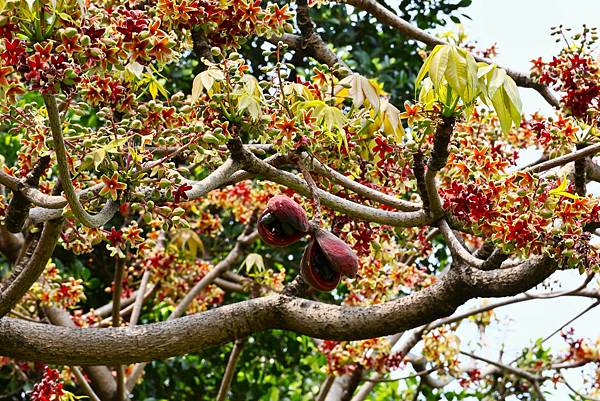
{"points": [[230, 369], [243, 240], [577, 393], [417, 374], [559, 161], [588, 280], [519, 372], [116, 320], [325, 387], [314, 189], [85, 386], [139, 299], [583, 312]]}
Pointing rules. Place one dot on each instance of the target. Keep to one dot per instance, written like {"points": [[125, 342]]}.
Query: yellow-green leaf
{"points": [[561, 190], [426, 65]]}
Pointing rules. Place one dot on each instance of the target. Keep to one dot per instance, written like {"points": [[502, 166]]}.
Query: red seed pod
{"points": [[316, 269], [326, 259], [339, 254], [283, 222]]}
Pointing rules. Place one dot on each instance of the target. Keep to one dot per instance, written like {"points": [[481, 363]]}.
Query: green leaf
{"points": [[205, 81], [473, 88], [252, 260], [496, 79], [561, 190], [426, 65], [501, 109], [438, 66], [510, 87], [360, 88], [456, 71], [98, 156], [250, 103], [152, 87]]}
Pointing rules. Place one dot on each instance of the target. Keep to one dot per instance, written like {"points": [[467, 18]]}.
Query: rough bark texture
{"points": [[111, 346], [30, 268], [103, 383]]}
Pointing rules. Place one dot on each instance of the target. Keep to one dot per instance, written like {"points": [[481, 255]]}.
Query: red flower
{"points": [[115, 237], [111, 186], [180, 193]]}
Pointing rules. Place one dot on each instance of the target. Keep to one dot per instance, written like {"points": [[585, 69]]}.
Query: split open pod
{"points": [[326, 259], [283, 222]]}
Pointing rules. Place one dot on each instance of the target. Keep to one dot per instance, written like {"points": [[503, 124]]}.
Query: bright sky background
{"points": [[521, 30]]}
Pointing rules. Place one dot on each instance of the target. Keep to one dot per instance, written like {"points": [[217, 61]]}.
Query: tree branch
{"points": [[230, 369], [30, 268], [85, 386], [257, 166], [559, 161], [116, 321], [139, 299], [65, 177], [389, 18], [89, 346], [18, 208], [102, 379]]}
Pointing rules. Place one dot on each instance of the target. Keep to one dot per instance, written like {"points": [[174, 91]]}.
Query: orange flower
{"points": [[319, 78], [112, 185], [411, 112], [287, 127]]}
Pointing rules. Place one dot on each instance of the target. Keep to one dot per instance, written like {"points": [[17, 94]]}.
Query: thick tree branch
{"points": [[32, 341], [310, 41], [30, 268]]}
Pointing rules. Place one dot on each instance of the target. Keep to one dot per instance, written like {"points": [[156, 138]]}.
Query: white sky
{"points": [[521, 30]]}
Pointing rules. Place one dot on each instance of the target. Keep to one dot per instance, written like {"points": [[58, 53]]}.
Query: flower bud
{"points": [[283, 222]]}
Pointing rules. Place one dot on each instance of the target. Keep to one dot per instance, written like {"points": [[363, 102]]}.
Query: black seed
{"points": [[322, 266]]}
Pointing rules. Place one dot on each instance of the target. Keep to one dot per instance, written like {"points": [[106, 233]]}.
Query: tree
{"points": [[284, 226]]}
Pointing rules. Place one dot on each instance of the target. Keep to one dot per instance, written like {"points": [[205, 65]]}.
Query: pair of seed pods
{"points": [[326, 258]]}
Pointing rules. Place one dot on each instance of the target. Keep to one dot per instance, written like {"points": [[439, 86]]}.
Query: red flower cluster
{"points": [[575, 74], [469, 202], [49, 388]]}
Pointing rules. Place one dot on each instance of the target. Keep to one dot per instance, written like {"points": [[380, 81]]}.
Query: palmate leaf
{"points": [[205, 81], [251, 104], [252, 260], [331, 117], [359, 89], [439, 63], [455, 68], [507, 107]]}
